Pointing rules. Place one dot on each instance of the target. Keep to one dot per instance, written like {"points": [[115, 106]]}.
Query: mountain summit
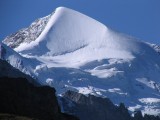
{"points": [[72, 51]]}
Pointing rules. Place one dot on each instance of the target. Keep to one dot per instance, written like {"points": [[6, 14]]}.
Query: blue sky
{"points": [[139, 18]]}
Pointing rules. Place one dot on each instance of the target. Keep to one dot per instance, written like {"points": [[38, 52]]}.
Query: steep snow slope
{"points": [[16, 60], [77, 52]]}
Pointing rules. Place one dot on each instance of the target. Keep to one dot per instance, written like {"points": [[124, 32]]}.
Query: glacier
{"points": [[75, 52]]}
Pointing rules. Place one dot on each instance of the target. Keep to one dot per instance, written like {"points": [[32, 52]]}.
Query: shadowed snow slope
{"points": [[77, 52]]}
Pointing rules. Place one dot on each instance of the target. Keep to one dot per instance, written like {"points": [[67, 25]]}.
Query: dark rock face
{"points": [[20, 97], [93, 108], [97, 108], [14, 117]]}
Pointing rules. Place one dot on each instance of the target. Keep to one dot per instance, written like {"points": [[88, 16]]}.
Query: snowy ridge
{"points": [[77, 52], [16, 60], [156, 47], [26, 35]]}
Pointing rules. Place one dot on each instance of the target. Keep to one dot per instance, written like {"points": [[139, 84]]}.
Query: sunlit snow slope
{"points": [[77, 52]]}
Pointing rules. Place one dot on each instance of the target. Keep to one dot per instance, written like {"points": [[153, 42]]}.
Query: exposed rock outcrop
{"points": [[20, 97], [96, 108]]}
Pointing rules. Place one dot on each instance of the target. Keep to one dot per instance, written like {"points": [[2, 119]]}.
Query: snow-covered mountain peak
{"points": [[69, 31], [76, 52]]}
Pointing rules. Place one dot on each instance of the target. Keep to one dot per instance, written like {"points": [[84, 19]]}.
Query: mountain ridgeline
{"points": [[96, 108], [68, 50]]}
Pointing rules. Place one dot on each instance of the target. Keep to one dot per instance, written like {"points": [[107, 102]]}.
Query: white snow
{"points": [[150, 100], [134, 108], [116, 90], [49, 81], [105, 73], [81, 54], [151, 110], [149, 83]]}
